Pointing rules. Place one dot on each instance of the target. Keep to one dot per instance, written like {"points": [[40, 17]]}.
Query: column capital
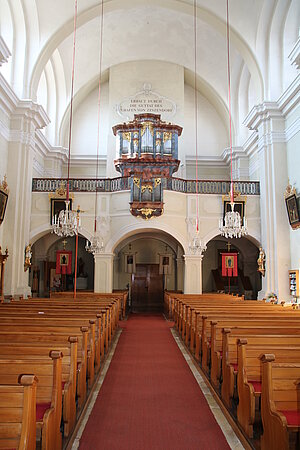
{"points": [[191, 257], [262, 113], [17, 110], [103, 255], [32, 112]]}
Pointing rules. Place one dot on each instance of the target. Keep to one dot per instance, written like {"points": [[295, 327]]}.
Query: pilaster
{"points": [[267, 119], [26, 118], [103, 278], [193, 274]]}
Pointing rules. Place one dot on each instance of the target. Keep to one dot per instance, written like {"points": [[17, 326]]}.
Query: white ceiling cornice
{"points": [[262, 112], [4, 52], [294, 56], [291, 97], [286, 104], [14, 108]]}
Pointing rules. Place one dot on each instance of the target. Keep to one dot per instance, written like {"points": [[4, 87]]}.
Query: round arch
{"points": [[43, 230], [253, 237], [113, 5], [248, 282], [140, 228]]}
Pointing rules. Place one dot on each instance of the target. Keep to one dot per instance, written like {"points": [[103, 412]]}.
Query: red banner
{"points": [[229, 265], [63, 262]]}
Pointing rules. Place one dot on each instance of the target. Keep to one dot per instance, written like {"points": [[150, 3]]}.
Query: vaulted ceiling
{"points": [[39, 35]]}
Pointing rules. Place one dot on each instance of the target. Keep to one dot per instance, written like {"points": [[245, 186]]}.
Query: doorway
{"points": [[147, 289]]}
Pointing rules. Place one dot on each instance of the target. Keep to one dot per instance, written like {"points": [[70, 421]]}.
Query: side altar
{"points": [[147, 150]]}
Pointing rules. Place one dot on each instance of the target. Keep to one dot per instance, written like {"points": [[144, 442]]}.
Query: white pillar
{"points": [[103, 273], [268, 121], [26, 118], [193, 274]]}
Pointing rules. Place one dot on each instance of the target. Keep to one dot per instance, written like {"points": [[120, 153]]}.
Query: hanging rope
{"points": [[229, 101], [196, 111], [71, 101], [99, 99]]}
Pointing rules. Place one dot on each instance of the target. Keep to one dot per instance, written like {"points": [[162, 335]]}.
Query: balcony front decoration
{"points": [[147, 150]]}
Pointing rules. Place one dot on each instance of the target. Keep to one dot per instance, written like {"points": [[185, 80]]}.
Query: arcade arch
{"points": [[157, 264], [248, 281], [43, 269]]}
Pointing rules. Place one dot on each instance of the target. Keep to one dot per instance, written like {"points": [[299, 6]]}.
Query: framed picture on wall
{"points": [[130, 263], [239, 206], [58, 204], [292, 210], [3, 203], [165, 264]]}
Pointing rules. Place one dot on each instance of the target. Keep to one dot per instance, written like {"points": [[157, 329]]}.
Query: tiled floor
{"points": [[228, 432]]}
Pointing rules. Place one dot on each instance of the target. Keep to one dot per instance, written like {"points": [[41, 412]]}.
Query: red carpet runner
{"points": [[149, 399]]}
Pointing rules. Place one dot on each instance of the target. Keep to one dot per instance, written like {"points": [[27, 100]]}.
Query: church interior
{"points": [[149, 224]]}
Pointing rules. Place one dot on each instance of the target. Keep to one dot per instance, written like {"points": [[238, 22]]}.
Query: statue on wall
{"points": [[28, 256], [261, 261]]}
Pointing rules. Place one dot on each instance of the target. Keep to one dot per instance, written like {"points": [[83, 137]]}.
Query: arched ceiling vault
{"points": [[184, 12]]}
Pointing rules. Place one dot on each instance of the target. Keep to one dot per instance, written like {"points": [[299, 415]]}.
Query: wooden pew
{"points": [[55, 325], [280, 404], [48, 393], [229, 354], [105, 314], [216, 342], [237, 315], [42, 350], [285, 349], [51, 338], [96, 296], [18, 414]]}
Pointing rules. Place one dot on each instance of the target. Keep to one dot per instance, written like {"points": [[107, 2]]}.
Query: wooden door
{"points": [[147, 288]]}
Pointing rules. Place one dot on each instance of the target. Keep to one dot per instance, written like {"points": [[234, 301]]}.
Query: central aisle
{"points": [[150, 399]]}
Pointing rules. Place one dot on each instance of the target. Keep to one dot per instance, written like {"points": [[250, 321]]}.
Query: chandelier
{"points": [[95, 245], [68, 222], [232, 226], [196, 246]]}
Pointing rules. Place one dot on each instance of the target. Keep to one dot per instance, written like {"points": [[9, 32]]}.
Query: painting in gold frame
{"points": [[3, 204]]}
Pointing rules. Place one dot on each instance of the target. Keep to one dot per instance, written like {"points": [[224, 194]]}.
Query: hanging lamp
{"points": [[68, 222], [95, 245], [196, 246], [231, 226]]}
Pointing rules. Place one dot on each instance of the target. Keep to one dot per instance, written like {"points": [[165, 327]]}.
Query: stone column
{"points": [[25, 118], [193, 274], [103, 273], [268, 120]]}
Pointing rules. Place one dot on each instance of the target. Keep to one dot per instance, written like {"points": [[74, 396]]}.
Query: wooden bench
{"points": [[249, 377], [48, 393], [42, 350], [56, 325], [58, 337], [96, 296], [216, 341], [105, 315], [18, 414], [280, 404], [236, 317], [229, 354]]}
